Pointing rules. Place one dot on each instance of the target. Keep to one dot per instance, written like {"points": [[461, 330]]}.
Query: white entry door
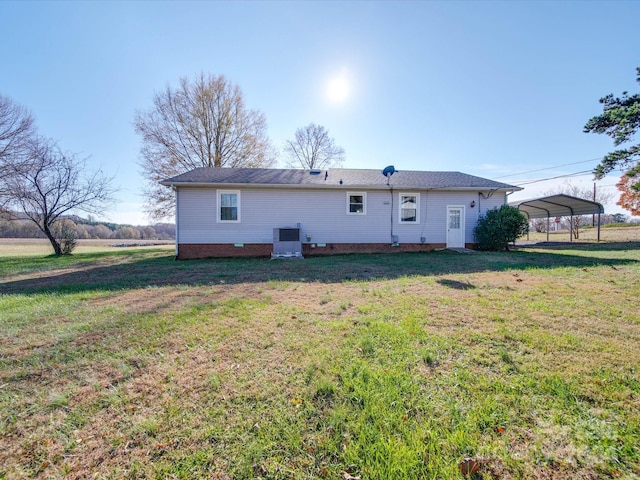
{"points": [[455, 227]]}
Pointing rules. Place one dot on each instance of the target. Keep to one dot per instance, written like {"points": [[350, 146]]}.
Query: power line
{"points": [[576, 174], [547, 168]]}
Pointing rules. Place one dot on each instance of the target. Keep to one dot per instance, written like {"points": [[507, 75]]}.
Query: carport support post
{"points": [[598, 226], [571, 229], [548, 227]]}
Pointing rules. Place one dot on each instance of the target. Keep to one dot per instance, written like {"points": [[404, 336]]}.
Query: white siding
{"points": [[437, 211], [323, 215]]}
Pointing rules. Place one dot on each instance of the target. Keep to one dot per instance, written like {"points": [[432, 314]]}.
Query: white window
{"points": [[356, 203], [409, 207], [228, 206]]}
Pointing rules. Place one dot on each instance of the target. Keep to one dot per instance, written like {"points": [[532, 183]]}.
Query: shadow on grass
{"points": [[116, 272], [582, 246], [456, 285]]}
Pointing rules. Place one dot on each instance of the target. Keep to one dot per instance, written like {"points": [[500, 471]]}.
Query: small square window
{"points": [[356, 203]]}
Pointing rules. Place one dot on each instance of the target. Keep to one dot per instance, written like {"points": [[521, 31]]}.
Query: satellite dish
{"points": [[388, 171]]}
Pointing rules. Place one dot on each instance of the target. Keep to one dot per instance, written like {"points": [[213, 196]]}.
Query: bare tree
{"points": [[51, 183], [539, 224], [312, 148], [16, 128], [587, 193], [202, 123]]}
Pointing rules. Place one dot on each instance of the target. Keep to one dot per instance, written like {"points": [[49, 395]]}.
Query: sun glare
{"points": [[338, 89]]}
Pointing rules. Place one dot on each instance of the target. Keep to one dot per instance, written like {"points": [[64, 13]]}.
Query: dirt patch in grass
{"points": [[157, 300]]}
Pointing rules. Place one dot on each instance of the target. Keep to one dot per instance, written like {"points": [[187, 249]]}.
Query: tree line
{"points": [[16, 227]]}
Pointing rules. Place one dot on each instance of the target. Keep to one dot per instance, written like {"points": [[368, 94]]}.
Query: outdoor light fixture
{"points": [[473, 203]]}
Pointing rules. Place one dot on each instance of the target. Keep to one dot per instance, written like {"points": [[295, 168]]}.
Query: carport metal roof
{"points": [[559, 205]]}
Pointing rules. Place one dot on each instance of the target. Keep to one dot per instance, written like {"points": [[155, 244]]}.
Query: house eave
{"points": [[335, 187]]}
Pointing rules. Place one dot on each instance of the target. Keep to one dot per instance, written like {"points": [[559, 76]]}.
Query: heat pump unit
{"points": [[286, 243]]}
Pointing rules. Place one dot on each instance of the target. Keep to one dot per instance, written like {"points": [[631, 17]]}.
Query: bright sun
{"points": [[338, 89]]}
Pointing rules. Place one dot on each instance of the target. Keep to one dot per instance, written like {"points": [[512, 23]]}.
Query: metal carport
{"points": [[559, 205]]}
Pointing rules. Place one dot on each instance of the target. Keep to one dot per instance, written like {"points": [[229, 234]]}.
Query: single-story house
{"points": [[223, 212]]}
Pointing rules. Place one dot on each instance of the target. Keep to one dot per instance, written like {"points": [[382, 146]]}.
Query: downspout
{"points": [[391, 193]]}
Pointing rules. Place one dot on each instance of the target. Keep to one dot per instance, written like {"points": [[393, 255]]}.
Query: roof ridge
{"points": [[335, 177]]}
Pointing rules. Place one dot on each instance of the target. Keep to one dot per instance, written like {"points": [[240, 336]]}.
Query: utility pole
{"points": [[593, 217]]}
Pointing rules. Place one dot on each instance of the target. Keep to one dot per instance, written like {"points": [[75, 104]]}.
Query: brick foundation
{"points": [[205, 250], [338, 248]]}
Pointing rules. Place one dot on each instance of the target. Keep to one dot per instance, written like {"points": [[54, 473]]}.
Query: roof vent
{"points": [[315, 172]]}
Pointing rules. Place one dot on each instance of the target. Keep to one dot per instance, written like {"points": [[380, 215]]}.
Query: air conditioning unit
{"points": [[286, 243]]}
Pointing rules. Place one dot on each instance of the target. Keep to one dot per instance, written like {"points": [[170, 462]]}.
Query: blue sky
{"points": [[488, 88]]}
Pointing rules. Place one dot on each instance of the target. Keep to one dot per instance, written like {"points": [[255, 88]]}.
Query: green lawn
{"points": [[127, 364]]}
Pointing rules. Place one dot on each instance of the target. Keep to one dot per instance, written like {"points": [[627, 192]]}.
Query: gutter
{"points": [[334, 187]]}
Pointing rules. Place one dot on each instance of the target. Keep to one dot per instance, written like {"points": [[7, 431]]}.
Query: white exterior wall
{"points": [[323, 215], [437, 211]]}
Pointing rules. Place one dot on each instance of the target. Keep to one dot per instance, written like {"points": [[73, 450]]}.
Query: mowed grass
{"points": [[608, 233], [127, 364]]}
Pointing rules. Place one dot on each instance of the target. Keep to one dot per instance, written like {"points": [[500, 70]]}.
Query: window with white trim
{"points": [[409, 207], [356, 203], [228, 206]]}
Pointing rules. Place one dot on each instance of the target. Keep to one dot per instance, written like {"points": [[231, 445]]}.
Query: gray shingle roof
{"points": [[335, 177]]}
